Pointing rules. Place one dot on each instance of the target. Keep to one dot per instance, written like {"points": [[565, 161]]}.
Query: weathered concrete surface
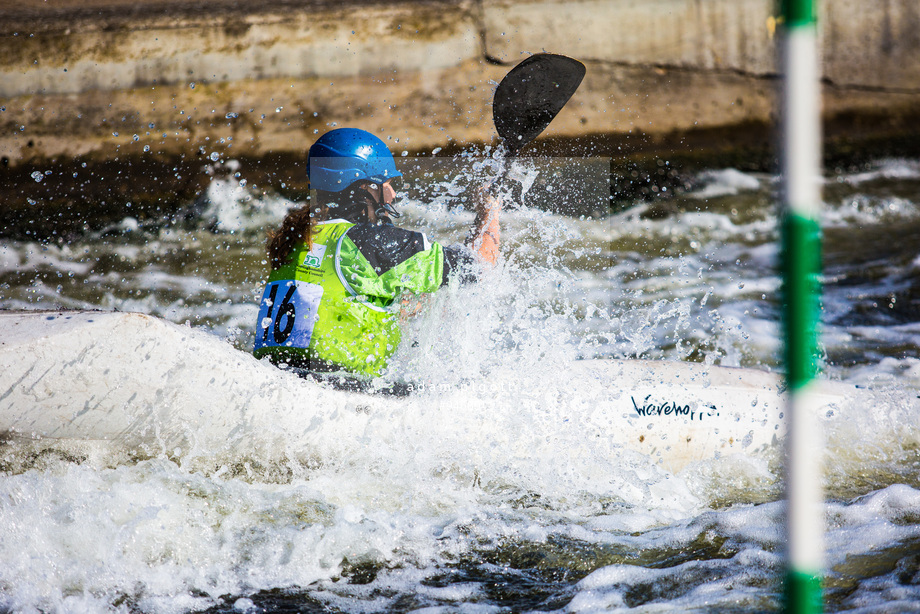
{"points": [[864, 44], [332, 42], [167, 83], [103, 77], [700, 35], [79, 82]]}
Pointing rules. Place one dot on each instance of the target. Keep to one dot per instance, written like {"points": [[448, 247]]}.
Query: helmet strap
{"points": [[384, 210]]}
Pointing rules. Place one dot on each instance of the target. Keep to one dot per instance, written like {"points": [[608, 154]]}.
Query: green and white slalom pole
{"points": [[801, 264]]}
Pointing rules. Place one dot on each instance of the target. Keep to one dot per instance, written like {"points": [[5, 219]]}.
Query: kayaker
{"points": [[342, 274]]}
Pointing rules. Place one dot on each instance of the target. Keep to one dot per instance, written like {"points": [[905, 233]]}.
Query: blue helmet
{"points": [[345, 155]]}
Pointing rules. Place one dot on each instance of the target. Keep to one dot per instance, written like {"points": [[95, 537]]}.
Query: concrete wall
{"points": [[334, 42], [106, 78], [699, 35]]}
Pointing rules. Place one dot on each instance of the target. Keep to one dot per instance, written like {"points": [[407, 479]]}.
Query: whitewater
{"points": [[496, 488]]}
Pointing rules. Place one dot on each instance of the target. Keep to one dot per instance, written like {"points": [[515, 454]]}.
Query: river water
{"points": [[422, 527]]}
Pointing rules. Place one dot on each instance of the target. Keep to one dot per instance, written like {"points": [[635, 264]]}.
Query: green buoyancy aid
{"points": [[329, 303]]}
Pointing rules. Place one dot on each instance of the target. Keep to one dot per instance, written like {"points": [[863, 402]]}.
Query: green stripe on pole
{"points": [[798, 12], [801, 263], [803, 593]]}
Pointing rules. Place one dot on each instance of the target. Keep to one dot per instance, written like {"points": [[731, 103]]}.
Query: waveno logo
{"points": [[652, 407]]}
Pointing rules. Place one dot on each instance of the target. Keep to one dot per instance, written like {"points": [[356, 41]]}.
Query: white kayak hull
{"points": [[149, 386]]}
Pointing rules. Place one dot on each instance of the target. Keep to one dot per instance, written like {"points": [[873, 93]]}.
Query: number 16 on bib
{"points": [[287, 314]]}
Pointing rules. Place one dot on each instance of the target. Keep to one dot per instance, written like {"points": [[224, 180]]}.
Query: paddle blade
{"points": [[531, 95]]}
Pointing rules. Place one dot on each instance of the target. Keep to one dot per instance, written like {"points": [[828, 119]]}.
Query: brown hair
{"points": [[297, 226]]}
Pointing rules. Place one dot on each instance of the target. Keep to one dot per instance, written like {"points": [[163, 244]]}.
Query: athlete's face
{"points": [[382, 194]]}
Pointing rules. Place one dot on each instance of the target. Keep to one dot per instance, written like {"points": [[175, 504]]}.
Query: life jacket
{"points": [[337, 303]]}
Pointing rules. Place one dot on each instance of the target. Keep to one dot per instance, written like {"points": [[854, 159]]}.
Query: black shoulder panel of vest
{"points": [[386, 246], [458, 260]]}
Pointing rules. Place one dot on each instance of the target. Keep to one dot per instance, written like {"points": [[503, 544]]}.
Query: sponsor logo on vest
{"points": [[650, 407], [314, 259]]}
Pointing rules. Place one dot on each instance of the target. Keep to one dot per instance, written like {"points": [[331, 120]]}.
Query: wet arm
{"points": [[485, 233]]}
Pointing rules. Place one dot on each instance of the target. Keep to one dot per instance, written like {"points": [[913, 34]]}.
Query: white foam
{"points": [[750, 538], [892, 168], [232, 207], [725, 182], [464, 469]]}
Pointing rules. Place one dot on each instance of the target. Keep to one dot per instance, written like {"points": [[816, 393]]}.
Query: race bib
{"points": [[287, 314]]}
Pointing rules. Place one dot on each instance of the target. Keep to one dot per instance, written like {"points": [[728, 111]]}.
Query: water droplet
{"points": [[37, 176]]}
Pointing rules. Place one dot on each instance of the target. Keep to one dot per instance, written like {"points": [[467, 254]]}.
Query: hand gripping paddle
{"points": [[531, 95]]}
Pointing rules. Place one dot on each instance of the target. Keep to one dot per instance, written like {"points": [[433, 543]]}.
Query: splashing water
{"points": [[496, 487]]}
